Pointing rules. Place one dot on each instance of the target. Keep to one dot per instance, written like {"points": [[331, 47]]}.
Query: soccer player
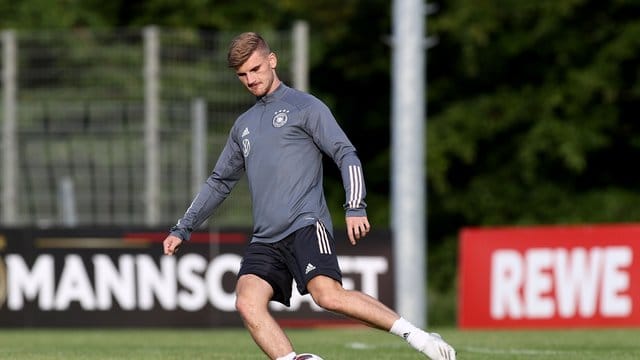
{"points": [[279, 143]]}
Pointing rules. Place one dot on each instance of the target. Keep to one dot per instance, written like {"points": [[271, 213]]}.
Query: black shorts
{"points": [[306, 253]]}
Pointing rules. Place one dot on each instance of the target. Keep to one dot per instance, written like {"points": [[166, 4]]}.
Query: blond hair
{"points": [[243, 46]]}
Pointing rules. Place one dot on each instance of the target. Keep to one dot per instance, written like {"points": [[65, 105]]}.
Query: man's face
{"points": [[258, 73]]}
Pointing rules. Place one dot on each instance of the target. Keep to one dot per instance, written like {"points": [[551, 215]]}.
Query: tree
{"points": [[532, 113]]}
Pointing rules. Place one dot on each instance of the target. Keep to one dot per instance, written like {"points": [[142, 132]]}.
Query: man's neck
{"points": [[274, 86]]}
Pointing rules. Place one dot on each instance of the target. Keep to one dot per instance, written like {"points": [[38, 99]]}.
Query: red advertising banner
{"points": [[550, 277]]}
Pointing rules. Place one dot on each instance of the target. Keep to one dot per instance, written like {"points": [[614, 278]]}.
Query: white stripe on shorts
{"points": [[323, 239]]}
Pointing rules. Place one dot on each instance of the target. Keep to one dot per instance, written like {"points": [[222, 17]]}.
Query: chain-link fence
{"points": [[108, 127]]}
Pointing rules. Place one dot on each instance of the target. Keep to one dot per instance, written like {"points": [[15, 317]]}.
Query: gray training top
{"points": [[279, 143]]}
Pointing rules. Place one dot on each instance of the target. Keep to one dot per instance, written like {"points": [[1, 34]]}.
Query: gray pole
{"points": [[151, 128], [199, 143], [301, 55], [9, 150], [67, 202], [408, 170]]}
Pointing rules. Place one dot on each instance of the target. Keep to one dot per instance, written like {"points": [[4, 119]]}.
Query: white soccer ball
{"points": [[307, 356]]}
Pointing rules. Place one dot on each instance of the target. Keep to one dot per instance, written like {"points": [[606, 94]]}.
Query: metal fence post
{"points": [[199, 143], [300, 65], [67, 202], [151, 128], [9, 145]]}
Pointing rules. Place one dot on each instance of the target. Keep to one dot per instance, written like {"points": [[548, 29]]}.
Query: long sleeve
{"points": [[353, 181], [214, 191], [334, 142]]}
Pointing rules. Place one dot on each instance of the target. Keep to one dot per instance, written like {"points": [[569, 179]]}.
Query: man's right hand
{"points": [[171, 245]]}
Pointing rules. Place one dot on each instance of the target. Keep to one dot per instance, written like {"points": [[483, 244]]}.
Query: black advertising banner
{"points": [[119, 278]]}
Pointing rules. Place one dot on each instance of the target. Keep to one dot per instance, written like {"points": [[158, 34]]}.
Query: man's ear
{"points": [[273, 60]]}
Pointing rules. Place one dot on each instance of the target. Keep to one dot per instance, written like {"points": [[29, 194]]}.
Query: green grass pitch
{"points": [[331, 344]]}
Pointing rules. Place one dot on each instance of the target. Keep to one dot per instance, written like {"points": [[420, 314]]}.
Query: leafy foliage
{"points": [[533, 115]]}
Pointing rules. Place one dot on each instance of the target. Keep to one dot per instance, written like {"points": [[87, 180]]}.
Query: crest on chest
{"points": [[280, 118]]}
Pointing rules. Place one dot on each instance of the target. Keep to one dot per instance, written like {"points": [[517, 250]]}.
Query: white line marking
{"points": [[536, 352]]}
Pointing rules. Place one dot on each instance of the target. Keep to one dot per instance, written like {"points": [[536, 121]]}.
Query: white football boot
{"points": [[432, 345]]}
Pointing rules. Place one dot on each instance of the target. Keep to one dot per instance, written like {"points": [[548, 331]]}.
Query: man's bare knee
{"points": [[245, 305], [329, 295], [252, 295], [328, 300]]}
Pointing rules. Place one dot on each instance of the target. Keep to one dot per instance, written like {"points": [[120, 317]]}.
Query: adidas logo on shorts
{"points": [[310, 268]]}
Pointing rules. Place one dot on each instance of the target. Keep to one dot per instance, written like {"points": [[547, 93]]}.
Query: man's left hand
{"points": [[357, 228]]}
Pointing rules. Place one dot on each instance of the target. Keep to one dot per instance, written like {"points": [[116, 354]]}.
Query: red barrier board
{"points": [[550, 277]]}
